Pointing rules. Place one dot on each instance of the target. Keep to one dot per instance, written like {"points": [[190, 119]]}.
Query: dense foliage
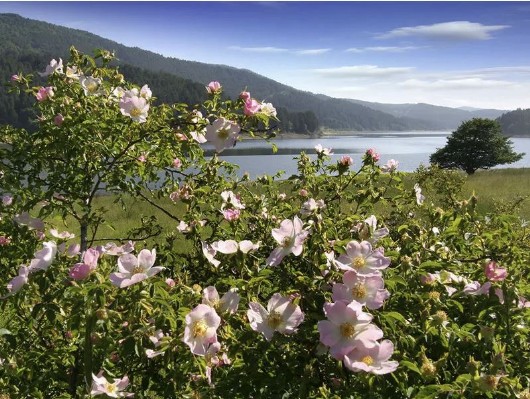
{"points": [[269, 288], [476, 144], [515, 123]]}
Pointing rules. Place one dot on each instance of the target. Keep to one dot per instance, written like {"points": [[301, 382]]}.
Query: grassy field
{"points": [[506, 190]]}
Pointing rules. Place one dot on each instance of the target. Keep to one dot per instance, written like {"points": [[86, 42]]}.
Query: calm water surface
{"points": [[409, 148]]}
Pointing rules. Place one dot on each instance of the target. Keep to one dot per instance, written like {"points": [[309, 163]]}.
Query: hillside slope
{"points": [[23, 36]]}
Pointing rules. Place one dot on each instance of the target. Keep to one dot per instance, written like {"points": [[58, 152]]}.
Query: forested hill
{"points": [[516, 123], [444, 117], [23, 37]]}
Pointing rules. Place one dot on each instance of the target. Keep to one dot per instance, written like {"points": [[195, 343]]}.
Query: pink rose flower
{"points": [[201, 329], [81, 271], [228, 303], [493, 272], [100, 385], [177, 163], [4, 240], [367, 290], [132, 270], [231, 214], [244, 95], [374, 156], [372, 359], [291, 237], [213, 87], [361, 258], [222, 133], [44, 93], [15, 78], [58, 120], [346, 327], [346, 160], [281, 315], [251, 107]]}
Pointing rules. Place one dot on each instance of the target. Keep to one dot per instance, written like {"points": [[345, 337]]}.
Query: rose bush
{"points": [[341, 281]]}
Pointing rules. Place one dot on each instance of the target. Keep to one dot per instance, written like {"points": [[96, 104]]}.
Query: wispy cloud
{"points": [[361, 71], [316, 51], [458, 84], [455, 30], [271, 49], [394, 49], [259, 49]]}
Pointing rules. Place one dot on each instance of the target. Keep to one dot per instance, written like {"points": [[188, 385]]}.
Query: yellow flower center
{"points": [[358, 291], [347, 330], [368, 360], [110, 388], [138, 269], [274, 320], [287, 242], [358, 262], [92, 87], [135, 112], [223, 133], [199, 329]]}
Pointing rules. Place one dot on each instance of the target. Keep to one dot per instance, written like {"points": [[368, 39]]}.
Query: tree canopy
{"points": [[476, 144]]}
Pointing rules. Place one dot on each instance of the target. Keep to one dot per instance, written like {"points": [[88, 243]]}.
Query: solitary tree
{"points": [[476, 144]]}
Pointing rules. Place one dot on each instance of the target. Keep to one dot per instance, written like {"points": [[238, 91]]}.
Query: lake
{"points": [[410, 149]]}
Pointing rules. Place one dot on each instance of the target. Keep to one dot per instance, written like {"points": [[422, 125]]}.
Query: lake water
{"points": [[410, 149]]}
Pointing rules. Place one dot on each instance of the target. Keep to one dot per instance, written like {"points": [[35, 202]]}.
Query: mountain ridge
{"points": [[25, 35]]}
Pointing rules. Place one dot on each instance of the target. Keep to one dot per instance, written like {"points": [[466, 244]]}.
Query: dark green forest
{"points": [[22, 37], [516, 123], [29, 57]]}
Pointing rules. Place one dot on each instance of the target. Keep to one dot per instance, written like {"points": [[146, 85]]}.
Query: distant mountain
{"points": [[442, 117], [25, 38], [516, 123]]}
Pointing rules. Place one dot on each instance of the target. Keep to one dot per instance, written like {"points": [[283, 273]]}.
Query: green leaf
{"points": [[410, 366]]}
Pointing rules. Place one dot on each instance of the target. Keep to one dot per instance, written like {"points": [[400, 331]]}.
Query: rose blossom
{"points": [[213, 87], [201, 328], [372, 359], [222, 133], [44, 93], [281, 315], [372, 154], [91, 86], [132, 270], [347, 325], [291, 237], [361, 257], [228, 303], [231, 214], [54, 66], [244, 95], [268, 109], [81, 271], [367, 290], [177, 163], [251, 107], [58, 119], [100, 385], [493, 272], [390, 166], [134, 107], [346, 160]]}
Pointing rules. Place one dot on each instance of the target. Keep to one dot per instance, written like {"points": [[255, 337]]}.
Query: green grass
{"points": [[505, 190], [497, 190]]}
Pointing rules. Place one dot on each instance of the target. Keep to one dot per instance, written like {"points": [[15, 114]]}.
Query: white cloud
{"points": [[316, 51], [458, 84], [361, 71], [456, 30], [271, 50], [393, 49], [259, 49]]}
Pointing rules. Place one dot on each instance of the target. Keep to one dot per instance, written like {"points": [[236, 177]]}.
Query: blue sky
{"points": [[445, 53]]}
